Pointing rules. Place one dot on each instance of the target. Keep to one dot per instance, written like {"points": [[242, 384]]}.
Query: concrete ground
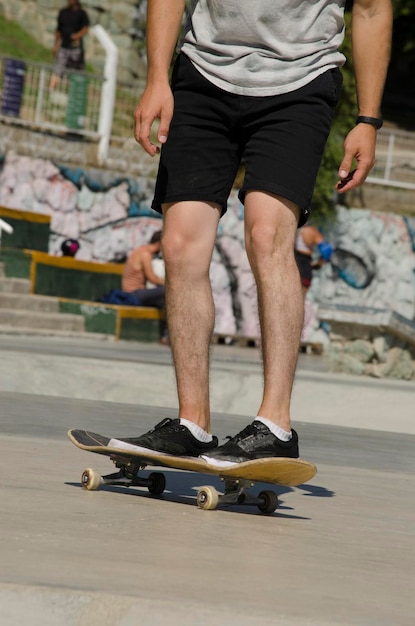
{"points": [[339, 551]]}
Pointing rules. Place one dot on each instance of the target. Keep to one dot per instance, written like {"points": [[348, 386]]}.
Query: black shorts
{"points": [[280, 140], [304, 267]]}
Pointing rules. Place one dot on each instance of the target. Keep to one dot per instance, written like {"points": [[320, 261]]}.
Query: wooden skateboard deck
{"points": [[129, 460]]}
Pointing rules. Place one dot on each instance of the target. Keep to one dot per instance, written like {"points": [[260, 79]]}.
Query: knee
{"points": [[172, 248], [265, 241], [270, 251], [182, 254], [177, 249]]}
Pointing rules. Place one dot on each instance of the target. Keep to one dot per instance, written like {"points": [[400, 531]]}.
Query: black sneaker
{"points": [[256, 441], [169, 437]]}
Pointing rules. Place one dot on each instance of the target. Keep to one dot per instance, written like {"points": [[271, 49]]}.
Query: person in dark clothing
{"points": [[73, 25], [308, 238]]}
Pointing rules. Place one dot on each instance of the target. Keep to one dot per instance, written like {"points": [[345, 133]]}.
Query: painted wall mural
{"points": [[112, 215]]}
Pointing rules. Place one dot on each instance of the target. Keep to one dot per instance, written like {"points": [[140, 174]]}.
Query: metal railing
{"points": [[75, 105], [395, 159], [91, 105], [41, 107]]}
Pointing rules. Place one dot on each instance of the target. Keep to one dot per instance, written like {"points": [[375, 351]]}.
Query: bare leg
{"points": [[270, 228], [54, 81], [189, 235]]}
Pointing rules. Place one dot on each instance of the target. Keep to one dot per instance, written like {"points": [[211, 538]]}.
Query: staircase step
{"points": [[29, 303], [14, 285], [50, 321], [5, 329]]}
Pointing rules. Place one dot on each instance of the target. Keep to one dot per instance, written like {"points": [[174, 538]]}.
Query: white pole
{"points": [[39, 101], [6, 227], [389, 156], [107, 92]]}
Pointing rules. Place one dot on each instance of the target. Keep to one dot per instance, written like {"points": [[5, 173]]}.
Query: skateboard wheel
{"points": [[269, 502], [91, 479], [207, 498], [157, 484]]}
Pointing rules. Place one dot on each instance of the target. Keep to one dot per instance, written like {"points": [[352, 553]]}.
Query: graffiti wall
{"points": [[385, 244], [110, 216]]}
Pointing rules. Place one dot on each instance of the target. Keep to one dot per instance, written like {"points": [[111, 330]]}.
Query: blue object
{"points": [[117, 296], [325, 250]]}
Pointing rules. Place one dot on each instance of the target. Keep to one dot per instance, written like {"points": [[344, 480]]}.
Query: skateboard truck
{"points": [[235, 493], [208, 498], [127, 476]]}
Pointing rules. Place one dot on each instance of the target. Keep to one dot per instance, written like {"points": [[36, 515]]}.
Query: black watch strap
{"points": [[374, 121]]}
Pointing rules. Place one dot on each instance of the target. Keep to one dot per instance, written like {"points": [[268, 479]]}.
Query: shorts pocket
{"points": [[336, 82]]}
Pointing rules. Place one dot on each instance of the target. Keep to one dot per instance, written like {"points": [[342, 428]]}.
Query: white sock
{"points": [[197, 432], [276, 430]]}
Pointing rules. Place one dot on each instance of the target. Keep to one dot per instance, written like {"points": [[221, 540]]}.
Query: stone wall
{"points": [[124, 21]]}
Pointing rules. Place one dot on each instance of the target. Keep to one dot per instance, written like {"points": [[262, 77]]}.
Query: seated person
{"points": [[308, 238], [138, 271]]}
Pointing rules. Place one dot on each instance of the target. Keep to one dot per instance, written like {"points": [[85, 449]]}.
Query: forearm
{"points": [[371, 39], [156, 280], [164, 19], [81, 33]]}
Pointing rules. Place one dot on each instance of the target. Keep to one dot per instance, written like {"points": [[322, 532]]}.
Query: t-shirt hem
{"points": [[256, 91]]}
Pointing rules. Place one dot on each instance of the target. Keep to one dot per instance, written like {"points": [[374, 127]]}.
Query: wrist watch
{"points": [[373, 121]]}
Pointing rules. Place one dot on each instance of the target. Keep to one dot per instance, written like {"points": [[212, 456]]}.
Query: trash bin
{"points": [[77, 101], [13, 82]]}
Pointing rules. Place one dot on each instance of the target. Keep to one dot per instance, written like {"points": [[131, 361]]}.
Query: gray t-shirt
{"points": [[264, 47]]}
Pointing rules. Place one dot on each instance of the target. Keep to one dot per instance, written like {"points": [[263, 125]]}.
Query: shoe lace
{"points": [[246, 432], [162, 424]]}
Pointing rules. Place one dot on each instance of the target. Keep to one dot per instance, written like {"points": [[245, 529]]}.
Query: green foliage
{"points": [[403, 7], [400, 81], [15, 42], [324, 194]]}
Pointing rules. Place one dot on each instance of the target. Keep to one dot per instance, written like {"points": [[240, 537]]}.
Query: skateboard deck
{"points": [[130, 461]]}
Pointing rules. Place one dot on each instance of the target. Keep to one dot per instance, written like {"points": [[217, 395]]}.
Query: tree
{"points": [[403, 7], [399, 99], [324, 196], [398, 102]]}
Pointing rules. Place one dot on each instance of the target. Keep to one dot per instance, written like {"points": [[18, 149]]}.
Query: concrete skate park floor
{"points": [[338, 551]]}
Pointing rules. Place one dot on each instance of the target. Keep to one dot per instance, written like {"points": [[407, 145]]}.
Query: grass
{"points": [[17, 43]]}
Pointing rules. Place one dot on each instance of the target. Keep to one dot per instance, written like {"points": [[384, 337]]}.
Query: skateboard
{"points": [[237, 479]]}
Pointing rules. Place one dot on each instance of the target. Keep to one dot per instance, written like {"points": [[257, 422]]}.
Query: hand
{"points": [[155, 103], [359, 144]]}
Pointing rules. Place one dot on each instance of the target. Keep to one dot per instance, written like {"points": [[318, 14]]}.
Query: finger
{"points": [[346, 165], [356, 178], [144, 137], [344, 181], [164, 127], [142, 129]]}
